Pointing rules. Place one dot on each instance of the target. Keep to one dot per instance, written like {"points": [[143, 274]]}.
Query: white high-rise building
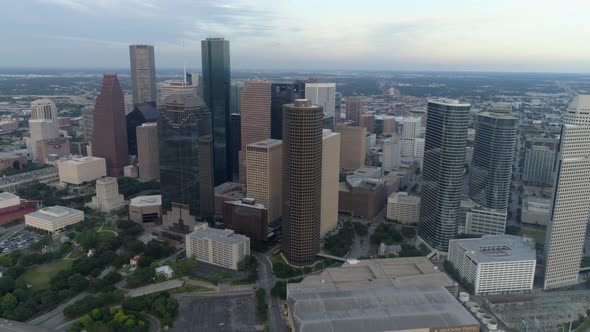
{"points": [[41, 129], [566, 231], [411, 127], [392, 150], [324, 95], [43, 109], [330, 180]]}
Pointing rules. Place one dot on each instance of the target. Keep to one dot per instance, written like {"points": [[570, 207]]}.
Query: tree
{"points": [[7, 285], [8, 302], [77, 282], [279, 289], [88, 239]]}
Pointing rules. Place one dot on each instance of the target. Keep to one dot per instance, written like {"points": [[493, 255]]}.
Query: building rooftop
{"points": [[448, 102], [377, 295], [106, 180], [404, 198], [54, 213], [6, 196], [267, 143], [147, 200], [248, 202], [81, 160], [498, 248], [225, 236], [368, 172]]}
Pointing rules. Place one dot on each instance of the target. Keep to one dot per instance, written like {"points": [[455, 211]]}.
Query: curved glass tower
{"points": [[443, 171]]}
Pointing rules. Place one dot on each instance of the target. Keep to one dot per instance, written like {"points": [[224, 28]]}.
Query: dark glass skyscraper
{"points": [[216, 94], [141, 113], [184, 135], [443, 171], [235, 124], [281, 94], [491, 171]]}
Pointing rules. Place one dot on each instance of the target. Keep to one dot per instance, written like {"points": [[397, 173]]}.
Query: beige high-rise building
{"points": [[302, 180], [354, 139], [39, 130], [389, 125], [354, 109], [264, 175], [143, 73], [368, 121], [403, 208], [79, 170], [330, 180], [148, 152], [566, 231], [255, 117]]}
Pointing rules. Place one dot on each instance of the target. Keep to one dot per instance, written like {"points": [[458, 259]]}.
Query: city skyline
{"points": [[498, 36]]}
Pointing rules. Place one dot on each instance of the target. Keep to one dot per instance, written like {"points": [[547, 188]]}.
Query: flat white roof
{"points": [[54, 213], [5, 196], [149, 200], [497, 248]]}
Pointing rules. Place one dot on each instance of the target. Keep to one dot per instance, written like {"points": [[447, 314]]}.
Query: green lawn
{"points": [[38, 277]]}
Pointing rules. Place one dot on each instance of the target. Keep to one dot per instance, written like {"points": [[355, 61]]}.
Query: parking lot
{"points": [[229, 313], [19, 241]]}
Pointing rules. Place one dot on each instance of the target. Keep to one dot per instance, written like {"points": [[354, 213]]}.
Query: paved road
{"points": [[56, 315], [266, 280]]}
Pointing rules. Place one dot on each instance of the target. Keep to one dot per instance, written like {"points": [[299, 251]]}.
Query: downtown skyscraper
{"points": [[216, 94], [281, 94], [255, 117], [109, 137], [302, 178], [143, 73], [442, 173], [185, 142], [491, 171], [564, 239]]}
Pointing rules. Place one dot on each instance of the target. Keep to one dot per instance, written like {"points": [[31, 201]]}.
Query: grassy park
{"points": [[38, 276]]}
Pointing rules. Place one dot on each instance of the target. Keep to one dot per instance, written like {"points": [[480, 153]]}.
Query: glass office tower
{"points": [[184, 135], [443, 171], [216, 94]]}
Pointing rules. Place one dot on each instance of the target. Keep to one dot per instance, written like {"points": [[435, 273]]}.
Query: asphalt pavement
{"points": [[266, 280]]}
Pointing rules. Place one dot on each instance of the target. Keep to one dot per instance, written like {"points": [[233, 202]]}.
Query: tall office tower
{"points": [[196, 80], [234, 97], [216, 86], [281, 94], [330, 180], [368, 121], [255, 117], [109, 137], [539, 160], [184, 135], [338, 107], [302, 178], [235, 129], [564, 242], [354, 109], [43, 109], [141, 113], [170, 88], [491, 171], [264, 167], [143, 73], [354, 141], [148, 152], [88, 122], [324, 95], [442, 174], [392, 153]]}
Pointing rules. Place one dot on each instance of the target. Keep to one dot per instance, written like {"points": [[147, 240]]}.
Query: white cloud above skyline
{"points": [[499, 35]]}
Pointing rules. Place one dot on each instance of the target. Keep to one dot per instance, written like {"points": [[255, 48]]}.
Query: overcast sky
{"points": [[486, 35]]}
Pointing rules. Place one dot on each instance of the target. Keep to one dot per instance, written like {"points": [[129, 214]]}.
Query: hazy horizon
{"points": [[455, 35]]}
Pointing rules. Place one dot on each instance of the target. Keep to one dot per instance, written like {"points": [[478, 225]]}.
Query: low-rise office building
{"points": [[54, 219], [403, 208], [227, 191], [361, 197], [495, 263], [146, 210], [535, 211], [476, 219], [80, 170], [247, 217], [220, 247]]}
